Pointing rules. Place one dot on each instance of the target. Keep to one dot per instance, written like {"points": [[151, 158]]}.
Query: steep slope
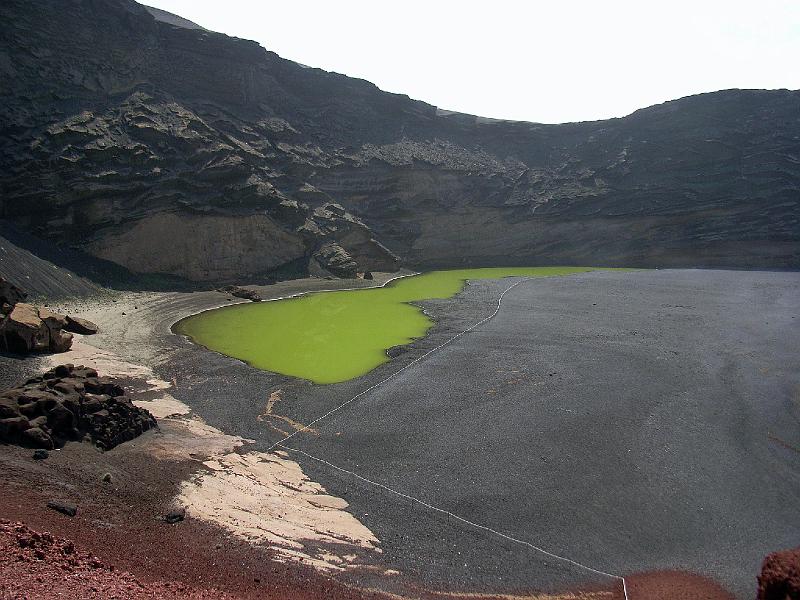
{"points": [[183, 151]]}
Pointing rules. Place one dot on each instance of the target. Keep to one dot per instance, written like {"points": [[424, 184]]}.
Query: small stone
{"points": [[106, 478], [64, 508], [396, 351], [40, 454], [37, 437], [175, 515]]}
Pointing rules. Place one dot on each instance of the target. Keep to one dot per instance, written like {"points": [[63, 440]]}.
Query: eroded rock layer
{"points": [[172, 149]]}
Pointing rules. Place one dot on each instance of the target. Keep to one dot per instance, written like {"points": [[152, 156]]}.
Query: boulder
{"points": [[23, 331], [176, 515], [11, 428], [30, 329], [63, 507], [335, 259], [36, 437], [81, 326], [53, 320], [60, 341], [780, 576]]}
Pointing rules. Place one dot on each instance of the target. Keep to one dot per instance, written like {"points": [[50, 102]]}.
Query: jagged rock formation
{"points": [[70, 403], [171, 149], [780, 576], [334, 259]]}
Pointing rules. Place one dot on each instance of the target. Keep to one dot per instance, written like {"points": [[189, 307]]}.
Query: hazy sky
{"points": [[554, 61]]}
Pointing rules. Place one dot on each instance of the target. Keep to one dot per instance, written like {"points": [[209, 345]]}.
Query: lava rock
{"points": [[240, 292], [334, 259], [780, 576], [396, 351], [175, 515], [63, 507], [70, 403], [37, 437], [40, 454]]}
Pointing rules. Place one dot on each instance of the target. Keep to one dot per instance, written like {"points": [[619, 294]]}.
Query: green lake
{"points": [[328, 337]]}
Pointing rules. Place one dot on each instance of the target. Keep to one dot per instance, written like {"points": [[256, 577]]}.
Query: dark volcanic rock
{"points": [[240, 292], [175, 515], [396, 351], [69, 403], [334, 259], [63, 507], [82, 326], [170, 149], [780, 576]]}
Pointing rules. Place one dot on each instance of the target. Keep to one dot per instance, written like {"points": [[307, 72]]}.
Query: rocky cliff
{"points": [[170, 149]]}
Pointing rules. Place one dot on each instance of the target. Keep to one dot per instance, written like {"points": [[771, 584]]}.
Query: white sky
{"points": [[551, 62]]}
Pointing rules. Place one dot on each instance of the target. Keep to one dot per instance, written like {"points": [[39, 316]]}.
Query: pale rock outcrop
{"points": [[30, 329]]}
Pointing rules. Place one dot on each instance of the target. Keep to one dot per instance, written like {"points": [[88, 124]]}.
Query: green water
{"points": [[328, 337]]}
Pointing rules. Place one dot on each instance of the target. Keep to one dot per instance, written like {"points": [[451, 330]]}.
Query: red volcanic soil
{"points": [[118, 545], [40, 565], [120, 538], [674, 585]]}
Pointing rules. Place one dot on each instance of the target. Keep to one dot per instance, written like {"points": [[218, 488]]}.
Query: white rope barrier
{"points": [[462, 519]]}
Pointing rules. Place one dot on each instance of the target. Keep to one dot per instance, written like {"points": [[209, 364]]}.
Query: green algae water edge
{"points": [[329, 337]]}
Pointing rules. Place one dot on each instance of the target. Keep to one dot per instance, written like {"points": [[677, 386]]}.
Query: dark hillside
{"points": [[174, 150]]}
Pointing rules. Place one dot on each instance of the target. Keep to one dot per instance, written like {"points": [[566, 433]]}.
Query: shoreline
{"points": [[298, 294]]}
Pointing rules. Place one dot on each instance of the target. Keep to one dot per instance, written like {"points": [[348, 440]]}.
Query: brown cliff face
{"points": [[177, 150]]}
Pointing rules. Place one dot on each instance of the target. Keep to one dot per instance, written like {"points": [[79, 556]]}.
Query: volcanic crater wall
{"points": [[172, 149]]}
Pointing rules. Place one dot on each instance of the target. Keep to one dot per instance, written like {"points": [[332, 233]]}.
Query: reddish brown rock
{"points": [[53, 320], [780, 576], [31, 329], [60, 341], [23, 330]]}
